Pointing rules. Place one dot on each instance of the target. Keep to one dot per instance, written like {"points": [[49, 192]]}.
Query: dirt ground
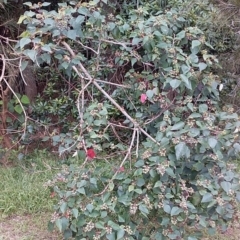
{"points": [[26, 227]]}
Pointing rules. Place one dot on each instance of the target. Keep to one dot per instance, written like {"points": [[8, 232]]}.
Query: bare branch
{"points": [[122, 110], [123, 161]]}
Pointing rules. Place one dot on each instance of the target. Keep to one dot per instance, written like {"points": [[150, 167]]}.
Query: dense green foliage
{"points": [[142, 78]]}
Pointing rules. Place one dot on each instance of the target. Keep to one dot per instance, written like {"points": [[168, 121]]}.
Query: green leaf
{"points": [[18, 109], [72, 34], [31, 54], [111, 26], [120, 233], [75, 212], [67, 233], [29, 4], [133, 61], [226, 186], [175, 83], [124, 199], [212, 142], [207, 197], [24, 41], [110, 236], [150, 94], [158, 184], [94, 2], [89, 207], [186, 81], [185, 68], [81, 190], [203, 108], [121, 219], [23, 65], [169, 195], [164, 30], [45, 4], [166, 208], [139, 163], [113, 225], [175, 211], [131, 188], [25, 99], [198, 166], [143, 209], [190, 106], [46, 48], [202, 222], [98, 122], [59, 224], [180, 35], [111, 186], [140, 182], [212, 231], [100, 225], [178, 126], [50, 226], [195, 43], [21, 19], [181, 150], [190, 205], [170, 172], [138, 190], [202, 66], [63, 207], [196, 199], [56, 138], [81, 154], [136, 41]]}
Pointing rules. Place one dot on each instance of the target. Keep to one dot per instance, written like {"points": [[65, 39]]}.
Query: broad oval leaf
{"points": [[25, 99], [212, 142], [175, 83], [182, 150], [175, 211], [178, 126], [226, 186], [18, 109], [195, 43], [203, 108], [120, 233], [167, 208], [207, 197], [24, 41]]}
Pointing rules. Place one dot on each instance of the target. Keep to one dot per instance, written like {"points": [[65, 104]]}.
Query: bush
{"points": [[146, 88], [154, 200]]}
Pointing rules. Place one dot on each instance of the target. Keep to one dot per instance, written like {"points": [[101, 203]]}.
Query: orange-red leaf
{"points": [[91, 153]]}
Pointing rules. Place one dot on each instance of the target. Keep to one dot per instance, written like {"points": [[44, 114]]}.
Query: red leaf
{"points": [[90, 153], [52, 195], [143, 98], [121, 169]]}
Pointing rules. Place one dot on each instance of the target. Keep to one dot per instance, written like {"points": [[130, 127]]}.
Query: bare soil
{"points": [[28, 227]]}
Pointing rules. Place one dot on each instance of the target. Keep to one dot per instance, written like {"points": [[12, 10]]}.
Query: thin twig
{"points": [[122, 163], [122, 110]]}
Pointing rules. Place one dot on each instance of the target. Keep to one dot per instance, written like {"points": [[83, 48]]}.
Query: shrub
{"points": [[146, 88]]}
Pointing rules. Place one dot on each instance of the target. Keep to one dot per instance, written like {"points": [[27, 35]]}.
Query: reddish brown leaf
{"points": [[91, 153]]}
